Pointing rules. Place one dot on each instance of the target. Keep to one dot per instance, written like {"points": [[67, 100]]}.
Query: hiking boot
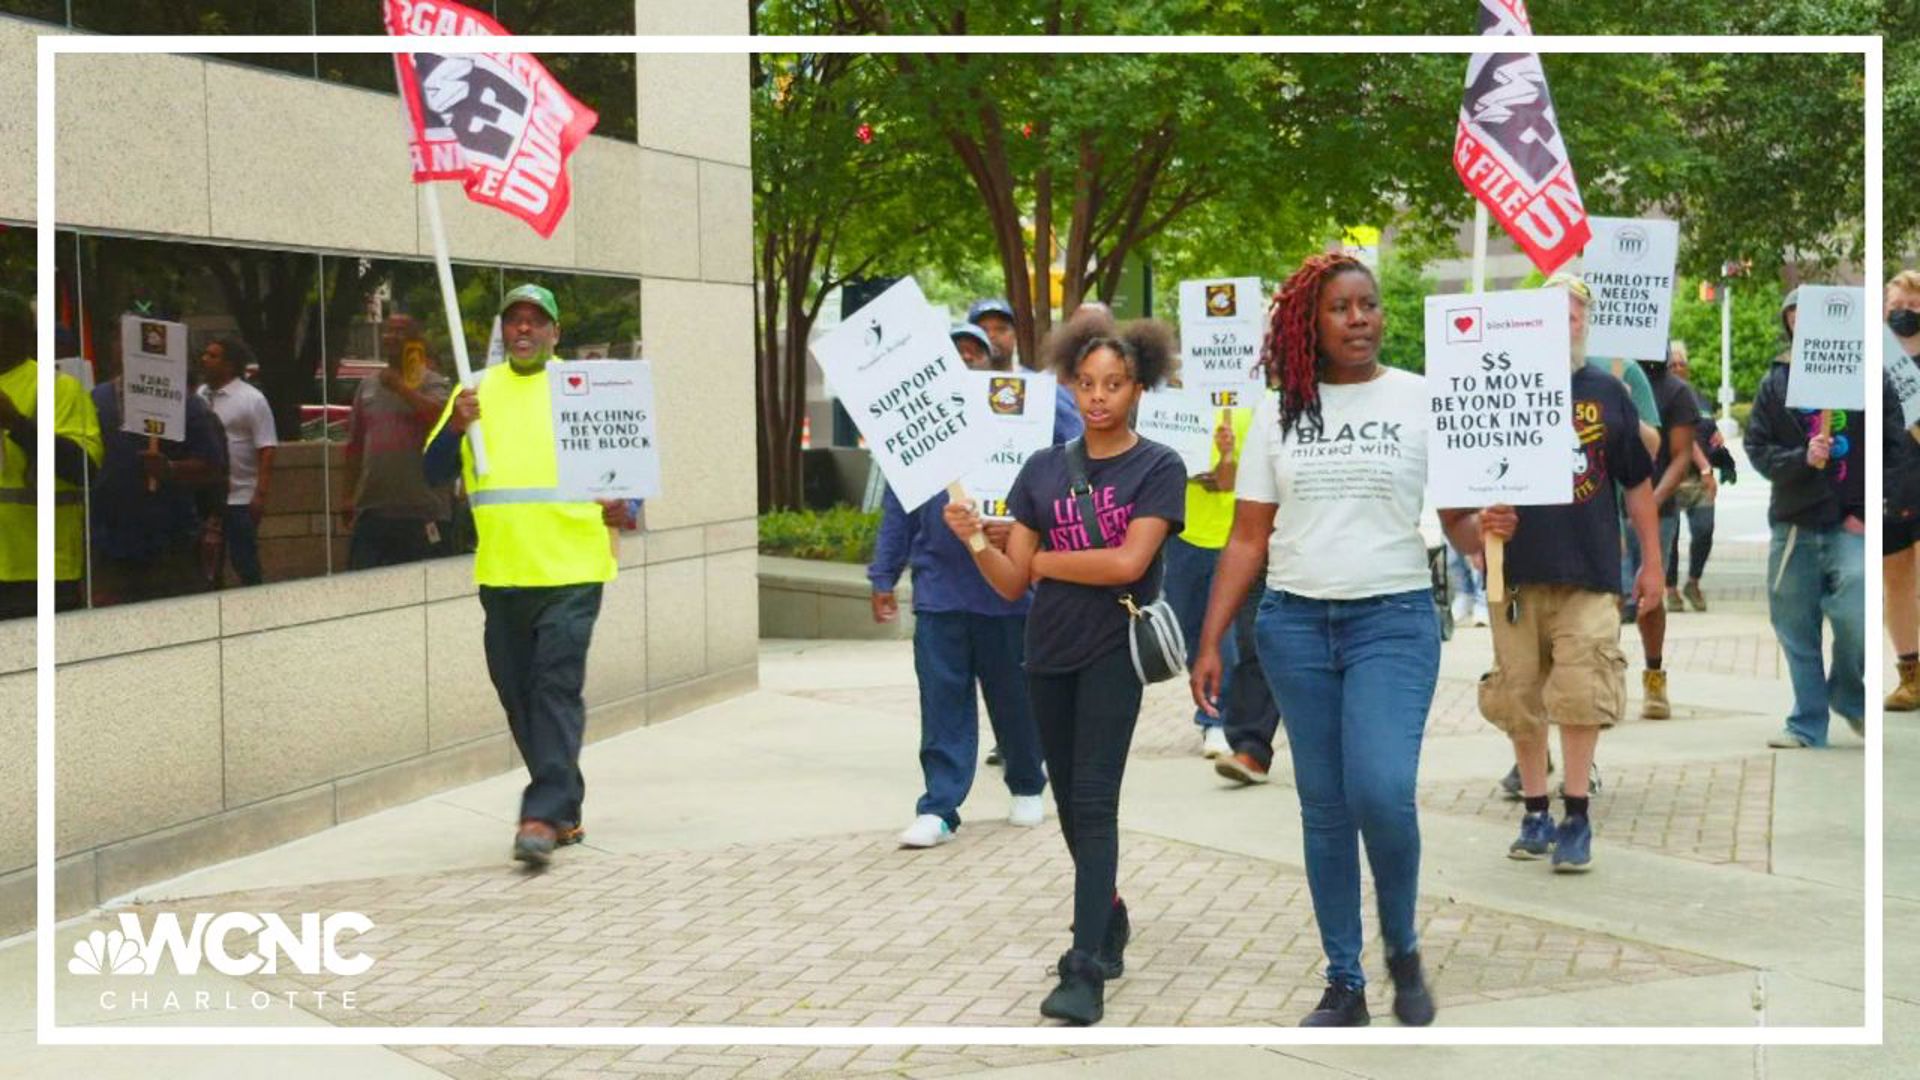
{"points": [[1080, 997], [1573, 846], [1113, 948], [1340, 1006], [533, 844], [1906, 696], [1655, 707], [1694, 596], [1243, 767], [1536, 837], [1674, 603], [1412, 1001]]}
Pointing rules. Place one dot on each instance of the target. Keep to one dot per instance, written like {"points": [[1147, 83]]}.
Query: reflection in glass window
{"points": [[53, 11], [172, 517]]}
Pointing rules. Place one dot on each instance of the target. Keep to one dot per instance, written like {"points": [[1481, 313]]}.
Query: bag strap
{"points": [[1082, 491]]}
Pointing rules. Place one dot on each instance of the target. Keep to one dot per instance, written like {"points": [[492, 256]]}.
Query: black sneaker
{"points": [[1340, 1006], [1412, 1001], [1080, 997], [1113, 949], [993, 755]]}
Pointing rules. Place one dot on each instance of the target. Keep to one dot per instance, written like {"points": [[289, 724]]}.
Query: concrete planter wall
{"points": [[806, 598]]}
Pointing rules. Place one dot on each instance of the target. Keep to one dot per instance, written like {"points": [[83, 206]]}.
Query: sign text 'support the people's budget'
{"points": [[893, 366]]}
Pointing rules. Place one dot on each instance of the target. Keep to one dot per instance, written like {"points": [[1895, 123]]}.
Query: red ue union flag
{"points": [[1509, 150], [496, 122]]}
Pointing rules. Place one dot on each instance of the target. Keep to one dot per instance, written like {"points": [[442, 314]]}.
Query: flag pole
{"points": [[456, 329], [1494, 548]]}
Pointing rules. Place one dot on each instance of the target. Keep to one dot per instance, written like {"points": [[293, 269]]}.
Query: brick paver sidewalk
{"points": [[851, 930]]}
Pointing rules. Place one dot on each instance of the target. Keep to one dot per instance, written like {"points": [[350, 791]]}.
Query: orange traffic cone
{"points": [[806, 433]]}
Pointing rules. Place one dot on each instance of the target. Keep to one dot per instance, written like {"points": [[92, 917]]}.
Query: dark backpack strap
{"points": [[1082, 490]]}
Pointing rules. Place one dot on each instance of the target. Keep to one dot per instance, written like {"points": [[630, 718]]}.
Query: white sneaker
{"points": [[1213, 743], [1028, 811], [1480, 614], [926, 831], [1462, 608]]}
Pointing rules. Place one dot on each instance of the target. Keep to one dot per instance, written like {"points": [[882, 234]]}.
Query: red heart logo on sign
{"points": [[1463, 323], [574, 380]]}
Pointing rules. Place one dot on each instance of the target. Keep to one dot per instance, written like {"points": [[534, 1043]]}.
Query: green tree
{"points": [[1758, 335]]}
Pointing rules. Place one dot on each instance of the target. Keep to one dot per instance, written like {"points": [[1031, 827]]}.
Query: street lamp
{"points": [[1729, 270]]}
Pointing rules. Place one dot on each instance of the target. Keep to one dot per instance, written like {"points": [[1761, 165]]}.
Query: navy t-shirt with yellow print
{"points": [[1578, 543]]}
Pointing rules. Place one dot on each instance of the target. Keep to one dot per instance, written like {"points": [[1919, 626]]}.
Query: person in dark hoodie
{"points": [[1817, 562], [1900, 527]]}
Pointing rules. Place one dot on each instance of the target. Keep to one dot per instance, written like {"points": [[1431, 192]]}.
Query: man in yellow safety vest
{"points": [[540, 565], [76, 445]]}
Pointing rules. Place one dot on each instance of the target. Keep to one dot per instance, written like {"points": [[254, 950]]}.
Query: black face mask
{"points": [[1904, 323]]}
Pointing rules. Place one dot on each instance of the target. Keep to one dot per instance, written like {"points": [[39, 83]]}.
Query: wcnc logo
{"points": [[313, 949]]}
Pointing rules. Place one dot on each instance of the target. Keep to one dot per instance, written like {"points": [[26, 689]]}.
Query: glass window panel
{"points": [[53, 11], [262, 308], [390, 365], [19, 568], [208, 17], [372, 71]]}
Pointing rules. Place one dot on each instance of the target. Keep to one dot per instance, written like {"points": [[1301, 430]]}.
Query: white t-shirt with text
{"points": [[1349, 492]]}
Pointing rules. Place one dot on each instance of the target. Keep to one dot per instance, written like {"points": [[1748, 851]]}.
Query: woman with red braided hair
{"points": [[1329, 496]]}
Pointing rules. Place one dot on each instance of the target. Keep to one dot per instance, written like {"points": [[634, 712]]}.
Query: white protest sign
{"points": [[1221, 323], [1499, 377], [604, 429], [894, 368], [153, 362], [1629, 265], [76, 368], [1017, 409], [1829, 349], [1183, 420], [1904, 374]]}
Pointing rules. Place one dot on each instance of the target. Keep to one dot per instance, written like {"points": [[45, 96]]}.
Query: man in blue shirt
{"points": [[995, 318]]}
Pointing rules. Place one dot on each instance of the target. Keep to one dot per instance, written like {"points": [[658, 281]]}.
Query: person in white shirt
{"points": [[1329, 496], [251, 440]]}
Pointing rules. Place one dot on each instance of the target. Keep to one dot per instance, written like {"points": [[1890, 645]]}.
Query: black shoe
{"points": [[1412, 1002], [1340, 1006], [993, 755], [533, 844], [1081, 995], [1113, 948], [568, 835]]}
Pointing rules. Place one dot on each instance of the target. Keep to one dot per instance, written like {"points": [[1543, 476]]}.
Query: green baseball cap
{"points": [[537, 295]]}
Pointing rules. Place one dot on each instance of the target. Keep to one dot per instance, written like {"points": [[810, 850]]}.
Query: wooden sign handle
{"points": [[153, 447], [957, 492], [1496, 552], [1826, 428]]}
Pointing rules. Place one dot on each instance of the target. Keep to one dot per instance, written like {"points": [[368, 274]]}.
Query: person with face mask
{"points": [[1901, 521], [541, 566], [1816, 564]]}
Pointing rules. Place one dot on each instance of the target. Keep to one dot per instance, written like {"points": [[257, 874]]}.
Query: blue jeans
{"points": [[1824, 574], [1630, 552], [952, 649], [1463, 579], [1354, 680], [243, 544], [1189, 578]]}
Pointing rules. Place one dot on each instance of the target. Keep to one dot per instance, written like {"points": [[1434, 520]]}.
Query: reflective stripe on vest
{"points": [[25, 497], [502, 496]]}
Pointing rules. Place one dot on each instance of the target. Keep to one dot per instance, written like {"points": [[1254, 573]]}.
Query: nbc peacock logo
{"points": [[106, 952]]}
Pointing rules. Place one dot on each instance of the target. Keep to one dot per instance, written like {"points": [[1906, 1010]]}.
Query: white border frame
{"points": [[51, 46]]}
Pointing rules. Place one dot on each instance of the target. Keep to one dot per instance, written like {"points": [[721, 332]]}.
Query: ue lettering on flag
{"points": [[496, 122], [1509, 151]]}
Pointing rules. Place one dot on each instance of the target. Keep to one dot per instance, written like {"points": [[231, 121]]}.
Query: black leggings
{"points": [[1086, 723]]}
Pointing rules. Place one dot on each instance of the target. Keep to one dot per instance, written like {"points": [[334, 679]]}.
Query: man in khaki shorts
{"points": [[1556, 642]]}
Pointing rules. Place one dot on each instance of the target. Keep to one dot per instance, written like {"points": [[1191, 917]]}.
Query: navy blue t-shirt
{"points": [[1578, 543], [1070, 625]]}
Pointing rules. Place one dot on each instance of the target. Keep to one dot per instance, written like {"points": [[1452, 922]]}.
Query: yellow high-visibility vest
{"points": [[74, 419], [528, 537]]}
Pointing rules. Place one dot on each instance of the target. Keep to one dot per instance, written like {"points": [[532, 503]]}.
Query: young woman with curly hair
{"points": [[1329, 496], [1080, 677]]}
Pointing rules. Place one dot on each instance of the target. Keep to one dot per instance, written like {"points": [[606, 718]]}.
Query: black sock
{"points": [[1909, 657], [1653, 663], [1576, 805], [1538, 804]]}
